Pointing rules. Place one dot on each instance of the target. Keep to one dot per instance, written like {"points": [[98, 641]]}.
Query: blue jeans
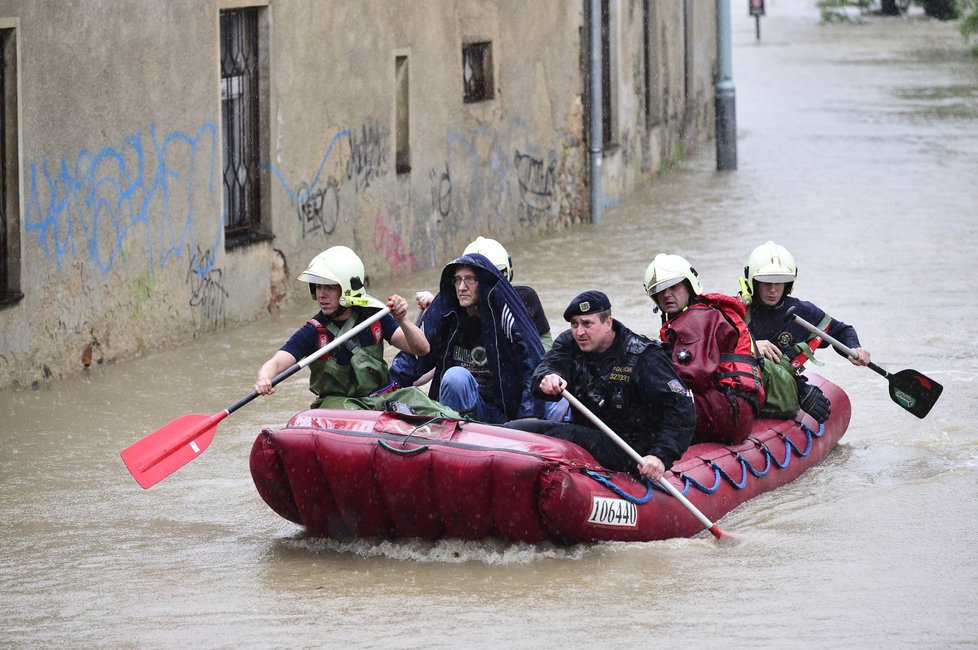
{"points": [[558, 411], [460, 391]]}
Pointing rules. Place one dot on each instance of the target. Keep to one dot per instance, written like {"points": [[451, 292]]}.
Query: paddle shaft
{"points": [[911, 390], [168, 447], [296, 367], [839, 345], [669, 487]]}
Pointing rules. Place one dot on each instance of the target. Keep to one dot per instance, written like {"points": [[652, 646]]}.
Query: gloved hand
{"points": [[814, 402]]}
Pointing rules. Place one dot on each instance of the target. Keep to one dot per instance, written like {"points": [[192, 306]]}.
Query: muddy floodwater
{"points": [[857, 150]]}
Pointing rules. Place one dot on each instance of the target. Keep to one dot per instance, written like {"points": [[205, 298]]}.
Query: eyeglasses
{"points": [[468, 280]]}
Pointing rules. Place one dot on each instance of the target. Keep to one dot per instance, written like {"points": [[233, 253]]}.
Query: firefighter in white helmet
{"points": [[711, 349], [354, 374], [766, 287]]}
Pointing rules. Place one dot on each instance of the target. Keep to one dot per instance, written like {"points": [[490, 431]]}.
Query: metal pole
{"points": [[596, 131], [725, 93]]}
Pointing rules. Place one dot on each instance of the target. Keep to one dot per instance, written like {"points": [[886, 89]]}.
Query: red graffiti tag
{"points": [[392, 248]]}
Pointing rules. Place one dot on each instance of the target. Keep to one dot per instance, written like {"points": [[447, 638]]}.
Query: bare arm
{"points": [[280, 361], [408, 336]]}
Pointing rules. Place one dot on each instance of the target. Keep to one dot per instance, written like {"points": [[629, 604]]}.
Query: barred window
{"points": [[9, 195], [240, 122]]}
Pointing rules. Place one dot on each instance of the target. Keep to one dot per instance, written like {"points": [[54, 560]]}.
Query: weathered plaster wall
{"points": [[122, 247], [655, 128], [119, 184]]}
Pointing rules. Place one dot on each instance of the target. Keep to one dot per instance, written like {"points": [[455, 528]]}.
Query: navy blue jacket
{"points": [[768, 324], [509, 336]]}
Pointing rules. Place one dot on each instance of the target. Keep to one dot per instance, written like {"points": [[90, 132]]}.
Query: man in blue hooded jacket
{"points": [[484, 345]]}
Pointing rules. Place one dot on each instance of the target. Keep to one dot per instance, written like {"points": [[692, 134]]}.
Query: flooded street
{"points": [[857, 150]]}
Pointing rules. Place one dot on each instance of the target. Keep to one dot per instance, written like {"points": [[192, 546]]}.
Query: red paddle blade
{"points": [[153, 458]]}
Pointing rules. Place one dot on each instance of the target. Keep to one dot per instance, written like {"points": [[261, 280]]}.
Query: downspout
{"points": [[595, 130], [725, 94]]}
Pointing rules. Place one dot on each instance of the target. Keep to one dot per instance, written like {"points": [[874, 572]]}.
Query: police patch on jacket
{"points": [[621, 373], [676, 386]]}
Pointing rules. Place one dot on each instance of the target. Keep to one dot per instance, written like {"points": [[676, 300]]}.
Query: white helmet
{"points": [[668, 270], [770, 262], [496, 253], [337, 265]]}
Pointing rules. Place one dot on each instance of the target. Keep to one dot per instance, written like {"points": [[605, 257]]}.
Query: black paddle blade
{"points": [[915, 392]]}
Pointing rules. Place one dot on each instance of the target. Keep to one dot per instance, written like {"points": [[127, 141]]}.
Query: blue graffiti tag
{"points": [[103, 197], [303, 191]]}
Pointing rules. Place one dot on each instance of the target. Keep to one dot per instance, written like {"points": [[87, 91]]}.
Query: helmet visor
{"points": [[312, 278], [774, 277], [664, 284]]}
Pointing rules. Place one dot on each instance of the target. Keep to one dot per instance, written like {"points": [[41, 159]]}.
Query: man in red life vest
{"points": [[711, 348]]}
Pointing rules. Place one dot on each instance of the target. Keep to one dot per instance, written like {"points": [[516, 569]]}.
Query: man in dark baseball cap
{"points": [[627, 380]]}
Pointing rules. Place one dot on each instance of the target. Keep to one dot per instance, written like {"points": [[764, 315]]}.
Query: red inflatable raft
{"points": [[347, 474]]}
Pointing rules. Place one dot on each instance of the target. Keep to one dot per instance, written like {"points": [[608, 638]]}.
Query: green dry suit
{"points": [[363, 381]]}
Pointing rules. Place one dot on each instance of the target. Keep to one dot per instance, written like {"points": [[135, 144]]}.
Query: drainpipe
{"points": [[725, 94], [596, 135]]}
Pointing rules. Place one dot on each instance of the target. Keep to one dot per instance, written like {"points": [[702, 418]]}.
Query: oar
{"points": [[912, 390], [712, 527], [153, 458]]}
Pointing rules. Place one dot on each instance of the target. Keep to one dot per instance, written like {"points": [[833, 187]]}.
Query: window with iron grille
{"points": [[402, 115], [477, 72], [9, 201], [240, 114]]}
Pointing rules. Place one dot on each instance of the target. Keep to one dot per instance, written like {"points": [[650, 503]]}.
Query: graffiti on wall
{"points": [[320, 210], [500, 184], [392, 248], [536, 184], [441, 192], [368, 155], [358, 157], [304, 190], [145, 188], [495, 191], [207, 292], [477, 158]]}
